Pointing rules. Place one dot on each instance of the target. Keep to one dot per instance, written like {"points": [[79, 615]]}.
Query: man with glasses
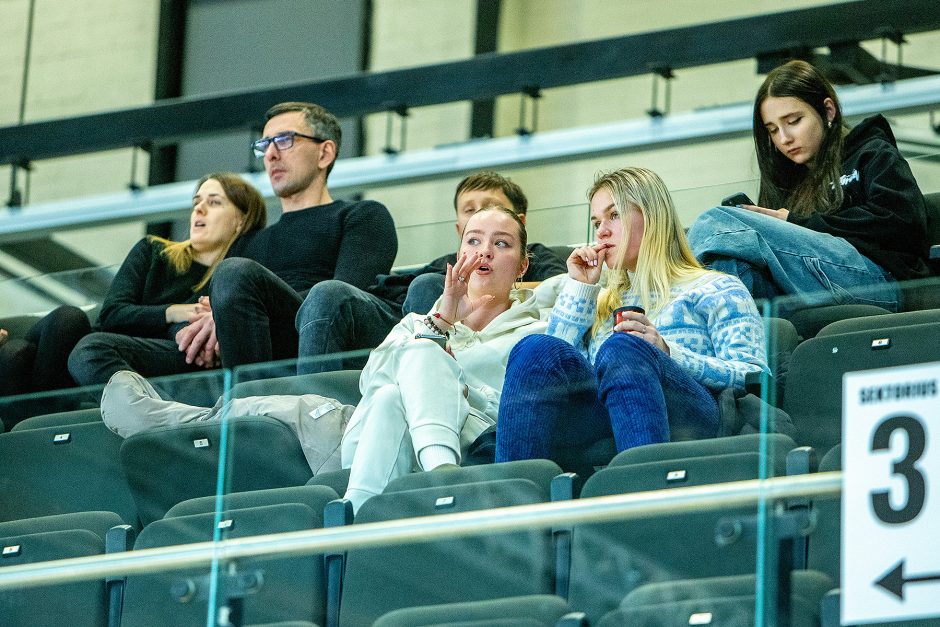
{"points": [[257, 290]]}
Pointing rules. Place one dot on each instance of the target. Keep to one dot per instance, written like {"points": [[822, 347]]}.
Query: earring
{"points": [[829, 124]]}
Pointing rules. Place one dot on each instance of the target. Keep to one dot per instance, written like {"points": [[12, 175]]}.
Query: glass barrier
{"points": [[670, 531], [83, 288]]}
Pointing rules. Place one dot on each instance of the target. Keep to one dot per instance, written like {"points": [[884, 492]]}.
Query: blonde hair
{"points": [[247, 199], [664, 259]]}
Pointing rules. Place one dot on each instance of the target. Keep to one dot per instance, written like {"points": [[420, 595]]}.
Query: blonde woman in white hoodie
{"points": [[428, 390]]}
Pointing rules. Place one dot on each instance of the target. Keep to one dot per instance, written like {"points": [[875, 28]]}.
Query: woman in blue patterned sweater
{"points": [[653, 376]]}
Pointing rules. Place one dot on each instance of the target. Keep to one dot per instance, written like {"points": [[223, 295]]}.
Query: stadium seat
{"points": [[813, 393], [528, 611], [59, 419], [610, 559], [81, 604], [825, 543], [343, 385], [169, 465], [271, 589], [873, 323], [810, 320], [59, 470], [314, 497], [750, 443], [725, 601], [338, 480], [378, 580]]}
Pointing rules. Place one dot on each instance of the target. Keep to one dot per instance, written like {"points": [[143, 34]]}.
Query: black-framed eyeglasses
{"points": [[281, 141]]}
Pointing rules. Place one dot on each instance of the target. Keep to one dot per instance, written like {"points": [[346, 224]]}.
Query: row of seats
{"points": [[591, 568]]}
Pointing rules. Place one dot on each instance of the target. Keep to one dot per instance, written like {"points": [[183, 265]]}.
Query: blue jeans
{"points": [[555, 401], [337, 317], [773, 257], [423, 293]]}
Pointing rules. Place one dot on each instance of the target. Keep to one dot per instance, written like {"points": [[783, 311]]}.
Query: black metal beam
{"points": [[479, 78]]}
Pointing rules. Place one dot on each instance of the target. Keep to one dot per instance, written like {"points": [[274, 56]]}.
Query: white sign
{"points": [[891, 494]]}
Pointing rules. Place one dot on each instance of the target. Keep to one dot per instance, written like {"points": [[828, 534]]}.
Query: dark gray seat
{"points": [[717, 601], [59, 419], [81, 604], [478, 568], [813, 395], [313, 496], [59, 470], [873, 323], [343, 385], [287, 589], [169, 465], [750, 443], [536, 610], [611, 559]]}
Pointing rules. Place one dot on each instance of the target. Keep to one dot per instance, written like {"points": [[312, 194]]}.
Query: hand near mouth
{"points": [[456, 301], [585, 263]]}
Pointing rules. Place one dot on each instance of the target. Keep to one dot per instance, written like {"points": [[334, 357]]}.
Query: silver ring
{"points": [[461, 279]]}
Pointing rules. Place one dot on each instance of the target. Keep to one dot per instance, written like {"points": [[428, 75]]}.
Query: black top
{"points": [[348, 241], [543, 264], [882, 213], [143, 288]]}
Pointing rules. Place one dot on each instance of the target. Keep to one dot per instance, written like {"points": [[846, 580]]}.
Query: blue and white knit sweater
{"points": [[711, 326]]}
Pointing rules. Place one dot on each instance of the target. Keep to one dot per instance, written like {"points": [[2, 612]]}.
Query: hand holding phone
{"points": [[736, 200], [440, 340]]}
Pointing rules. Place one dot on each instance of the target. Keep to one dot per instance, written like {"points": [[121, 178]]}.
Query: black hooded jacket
{"points": [[882, 213]]}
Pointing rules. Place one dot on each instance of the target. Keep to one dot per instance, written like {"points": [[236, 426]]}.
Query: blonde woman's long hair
{"points": [[664, 259], [247, 199]]}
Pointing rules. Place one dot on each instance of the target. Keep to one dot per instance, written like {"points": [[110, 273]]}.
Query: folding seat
{"points": [[528, 611], [343, 385], [825, 543], [59, 419], [873, 323], [266, 589], [725, 601], [610, 559], [810, 320], [315, 497], [29, 541], [58, 470], [336, 479], [169, 465], [813, 395], [478, 568], [749, 443]]}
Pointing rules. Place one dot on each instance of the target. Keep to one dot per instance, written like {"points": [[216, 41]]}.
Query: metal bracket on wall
{"points": [[898, 38], [665, 74], [17, 198], [402, 112], [133, 185], [529, 93]]}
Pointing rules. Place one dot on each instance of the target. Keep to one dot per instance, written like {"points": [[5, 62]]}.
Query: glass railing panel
{"points": [[36, 295]]}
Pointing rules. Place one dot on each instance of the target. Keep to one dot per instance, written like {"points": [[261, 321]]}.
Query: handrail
{"points": [[485, 76], [599, 509]]}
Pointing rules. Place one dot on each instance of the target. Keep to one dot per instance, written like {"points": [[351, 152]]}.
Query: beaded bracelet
{"points": [[429, 323]]}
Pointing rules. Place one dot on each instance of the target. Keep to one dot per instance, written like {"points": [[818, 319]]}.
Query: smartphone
{"points": [[737, 199], [440, 340]]}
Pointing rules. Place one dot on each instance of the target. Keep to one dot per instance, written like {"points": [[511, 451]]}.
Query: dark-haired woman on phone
{"points": [[839, 218]]}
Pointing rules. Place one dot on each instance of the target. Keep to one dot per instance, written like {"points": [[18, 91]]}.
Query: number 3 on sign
{"points": [[890, 509]]}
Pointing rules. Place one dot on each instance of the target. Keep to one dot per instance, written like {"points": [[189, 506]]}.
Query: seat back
{"points": [[612, 558], [343, 385], [313, 496], [283, 589], [487, 566], [873, 323], [169, 465], [825, 543], [59, 470], [81, 603], [749, 443], [541, 472], [59, 419], [535, 610], [813, 396]]}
